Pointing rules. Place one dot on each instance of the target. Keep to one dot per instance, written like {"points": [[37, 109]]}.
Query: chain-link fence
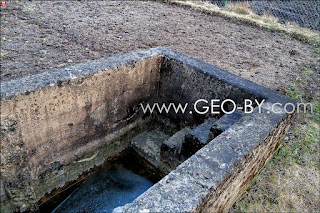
{"points": [[305, 13]]}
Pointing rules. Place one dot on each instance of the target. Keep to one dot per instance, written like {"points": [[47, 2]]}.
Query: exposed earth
{"points": [[39, 36]]}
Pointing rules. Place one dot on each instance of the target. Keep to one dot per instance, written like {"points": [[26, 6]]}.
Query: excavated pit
{"points": [[61, 127]]}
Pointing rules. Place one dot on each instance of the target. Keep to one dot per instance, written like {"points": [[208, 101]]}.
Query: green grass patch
{"points": [[4, 55], [294, 92], [29, 9]]}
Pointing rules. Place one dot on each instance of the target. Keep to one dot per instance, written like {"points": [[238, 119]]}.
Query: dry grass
{"points": [[240, 8], [290, 180], [276, 190], [243, 13]]}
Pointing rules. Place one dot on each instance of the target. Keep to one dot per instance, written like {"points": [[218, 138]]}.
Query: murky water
{"points": [[105, 190]]}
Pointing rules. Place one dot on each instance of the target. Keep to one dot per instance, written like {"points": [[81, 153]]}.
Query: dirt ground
{"points": [[39, 36]]}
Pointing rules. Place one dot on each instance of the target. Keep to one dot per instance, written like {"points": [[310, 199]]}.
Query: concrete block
{"points": [[224, 123], [197, 138], [171, 149], [148, 145]]}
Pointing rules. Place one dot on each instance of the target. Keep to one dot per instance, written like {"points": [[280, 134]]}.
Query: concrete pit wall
{"points": [[215, 176], [182, 83], [59, 124], [54, 133]]}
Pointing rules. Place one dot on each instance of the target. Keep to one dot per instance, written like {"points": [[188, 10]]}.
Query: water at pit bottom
{"points": [[105, 190]]}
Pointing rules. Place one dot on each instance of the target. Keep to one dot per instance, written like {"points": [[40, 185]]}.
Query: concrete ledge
{"points": [[32, 83]]}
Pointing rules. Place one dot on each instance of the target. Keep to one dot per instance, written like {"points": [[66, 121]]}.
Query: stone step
{"points": [[205, 132], [148, 145], [171, 149], [197, 138], [224, 123]]}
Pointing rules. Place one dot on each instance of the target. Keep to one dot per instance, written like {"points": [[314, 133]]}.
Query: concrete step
{"points": [[171, 149], [224, 123], [205, 132], [197, 138], [148, 145]]}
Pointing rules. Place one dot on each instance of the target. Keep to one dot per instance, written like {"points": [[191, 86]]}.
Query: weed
{"points": [[239, 9], [5, 39], [294, 92], [43, 52], [18, 37], [4, 54], [28, 8], [267, 18]]}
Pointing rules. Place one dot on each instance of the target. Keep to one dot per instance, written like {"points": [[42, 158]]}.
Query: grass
{"points": [[294, 92], [290, 180], [4, 55], [28, 8], [241, 9], [243, 13]]}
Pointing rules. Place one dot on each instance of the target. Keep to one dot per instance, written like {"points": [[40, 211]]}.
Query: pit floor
{"points": [[106, 189], [118, 181]]}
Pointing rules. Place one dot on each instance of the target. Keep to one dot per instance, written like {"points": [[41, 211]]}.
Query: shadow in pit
{"points": [[127, 163]]}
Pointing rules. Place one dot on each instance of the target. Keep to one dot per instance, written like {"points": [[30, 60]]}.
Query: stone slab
{"points": [[224, 123], [171, 150], [197, 138], [148, 145]]}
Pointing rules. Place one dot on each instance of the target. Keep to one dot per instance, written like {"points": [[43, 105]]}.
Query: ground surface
{"points": [[39, 36]]}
